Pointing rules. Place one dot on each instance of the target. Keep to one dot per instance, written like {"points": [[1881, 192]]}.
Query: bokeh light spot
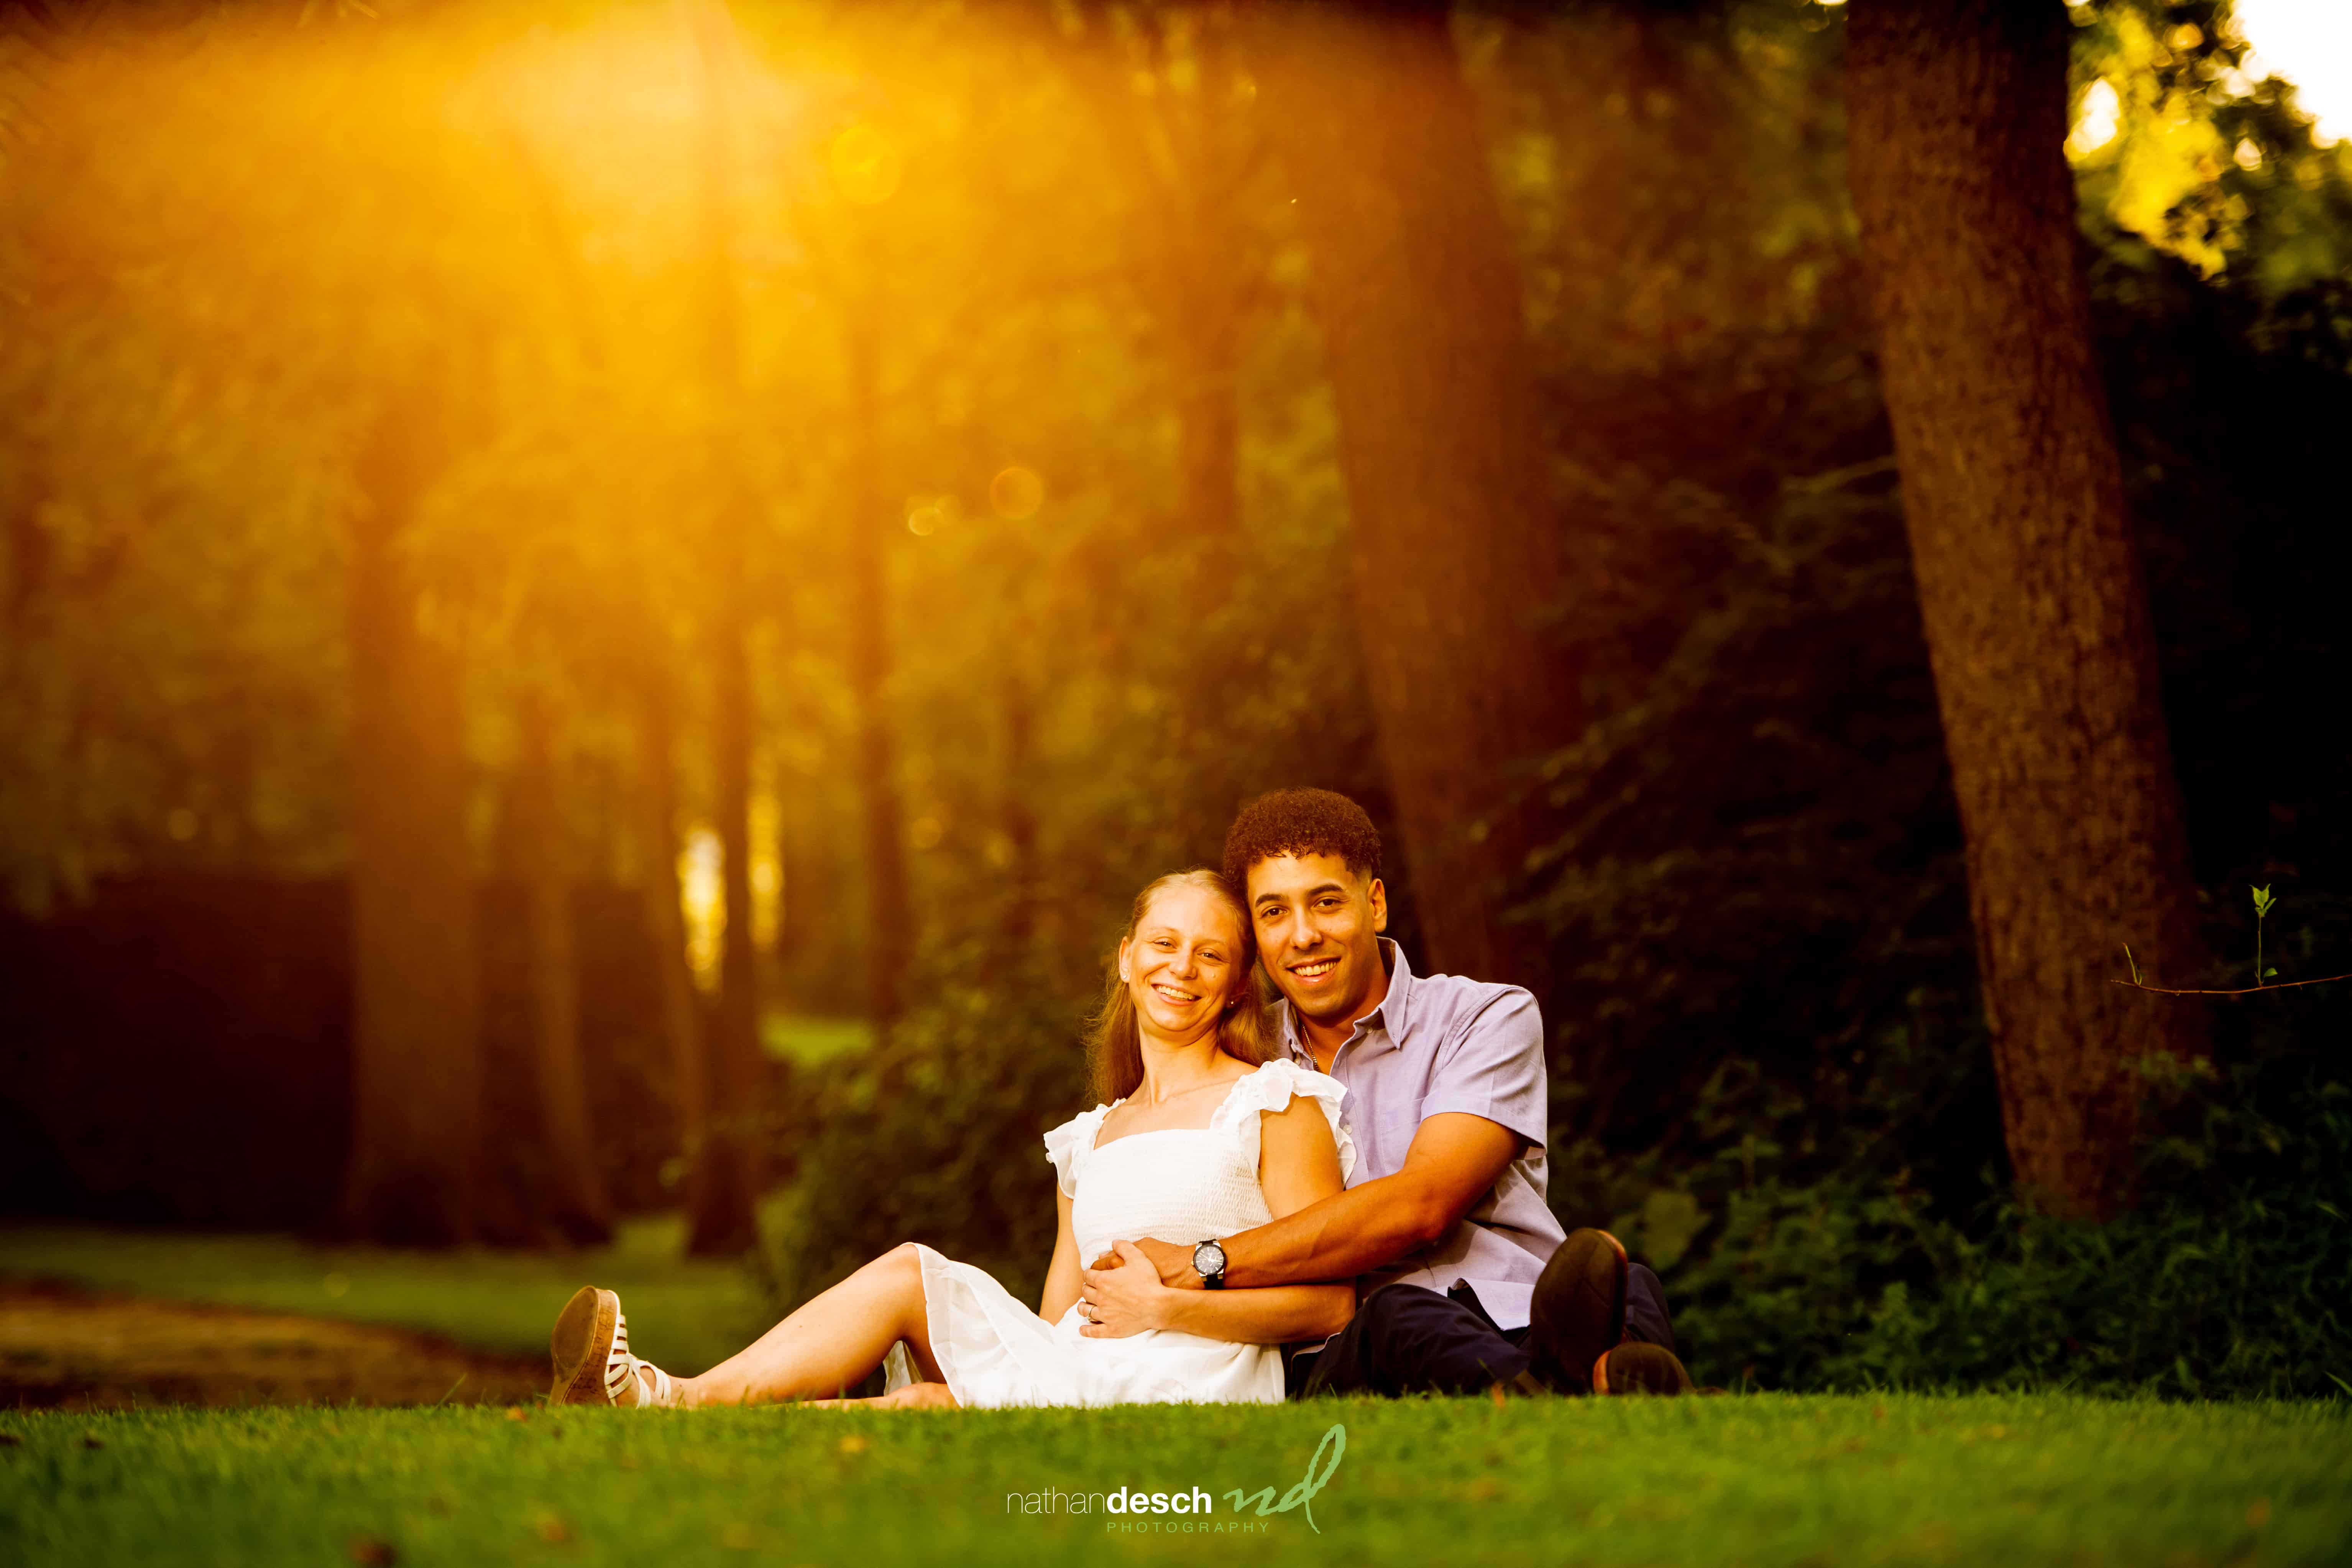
{"points": [[2098, 120], [1016, 493], [703, 896]]}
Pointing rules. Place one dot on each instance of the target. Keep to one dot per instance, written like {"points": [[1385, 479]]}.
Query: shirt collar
{"points": [[1390, 1016]]}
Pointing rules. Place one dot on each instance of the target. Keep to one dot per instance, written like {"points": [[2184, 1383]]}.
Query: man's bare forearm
{"points": [[1273, 1315], [1343, 1235]]}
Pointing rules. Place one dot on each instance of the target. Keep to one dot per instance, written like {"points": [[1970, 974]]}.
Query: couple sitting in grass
{"points": [[1356, 1174]]}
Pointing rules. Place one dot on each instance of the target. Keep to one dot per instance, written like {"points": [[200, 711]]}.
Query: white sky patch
{"points": [[2309, 42]]}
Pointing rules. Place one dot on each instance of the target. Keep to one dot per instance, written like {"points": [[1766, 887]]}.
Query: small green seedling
{"points": [[2263, 902]]}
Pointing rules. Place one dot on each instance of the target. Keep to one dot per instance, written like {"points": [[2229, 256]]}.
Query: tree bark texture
{"points": [[575, 1201], [2029, 588], [418, 1074], [890, 912], [1458, 550]]}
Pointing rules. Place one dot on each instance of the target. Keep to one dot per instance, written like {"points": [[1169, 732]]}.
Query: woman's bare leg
{"points": [[830, 1344], [914, 1396]]}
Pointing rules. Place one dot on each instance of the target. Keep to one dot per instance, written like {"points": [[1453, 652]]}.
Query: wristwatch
{"points": [[1209, 1263]]}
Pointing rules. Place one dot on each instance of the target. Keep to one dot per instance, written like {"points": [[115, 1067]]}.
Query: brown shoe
{"points": [[581, 1346], [1639, 1367], [590, 1348], [1578, 1311]]}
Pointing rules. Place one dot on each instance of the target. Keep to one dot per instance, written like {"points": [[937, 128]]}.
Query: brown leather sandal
{"points": [[590, 1348]]}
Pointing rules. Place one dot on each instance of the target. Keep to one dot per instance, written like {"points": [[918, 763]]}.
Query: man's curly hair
{"points": [[1301, 822]]}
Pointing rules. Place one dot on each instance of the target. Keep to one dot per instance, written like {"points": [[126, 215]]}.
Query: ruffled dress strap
{"points": [[1068, 1145], [1272, 1087]]}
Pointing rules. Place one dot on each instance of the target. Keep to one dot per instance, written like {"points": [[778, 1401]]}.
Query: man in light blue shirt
{"points": [[1465, 1278]]}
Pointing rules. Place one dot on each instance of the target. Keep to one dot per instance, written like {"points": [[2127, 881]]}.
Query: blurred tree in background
{"points": [[1459, 547], [875, 485], [2036, 619]]}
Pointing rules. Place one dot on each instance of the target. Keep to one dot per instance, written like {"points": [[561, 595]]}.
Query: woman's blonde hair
{"points": [[1115, 1044]]}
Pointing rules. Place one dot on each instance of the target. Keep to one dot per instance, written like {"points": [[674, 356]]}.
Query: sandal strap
{"points": [[620, 1366], [621, 1370]]}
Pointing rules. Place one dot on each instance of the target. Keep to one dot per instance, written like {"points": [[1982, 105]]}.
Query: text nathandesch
{"points": [[1152, 1510]]}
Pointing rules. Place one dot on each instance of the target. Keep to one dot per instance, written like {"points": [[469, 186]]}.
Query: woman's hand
{"points": [[1118, 1301]]}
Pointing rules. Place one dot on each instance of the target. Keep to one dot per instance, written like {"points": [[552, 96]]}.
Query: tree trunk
{"points": [[889, 917], [1179, 151], [1199, 316], [1177, 146], [417, 1075], [727, 1224], [2028, 580], [1458, 553], [664, 920], [575, 1201]]}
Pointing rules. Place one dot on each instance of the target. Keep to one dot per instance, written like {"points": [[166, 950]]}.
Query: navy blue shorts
{"points": [[1407, 1340]]}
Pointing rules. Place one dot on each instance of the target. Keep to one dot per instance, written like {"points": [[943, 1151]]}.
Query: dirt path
{"points": [[64, 1347]]}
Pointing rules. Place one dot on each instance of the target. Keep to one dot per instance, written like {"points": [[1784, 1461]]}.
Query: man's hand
{"points": [[1171, 1260], [1116, 1301]]}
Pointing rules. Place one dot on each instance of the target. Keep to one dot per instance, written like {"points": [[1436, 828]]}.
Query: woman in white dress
{"points": [[1198, 1137]]}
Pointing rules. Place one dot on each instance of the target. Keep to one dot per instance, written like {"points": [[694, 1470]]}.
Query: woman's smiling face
{"points": [[1183, 961]]}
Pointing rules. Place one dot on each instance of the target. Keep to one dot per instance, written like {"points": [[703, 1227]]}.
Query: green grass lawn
{"points": [[1848, 1481], [685, 1315]]}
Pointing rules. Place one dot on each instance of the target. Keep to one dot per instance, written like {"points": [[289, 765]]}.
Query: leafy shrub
{"points": [[2226, 1277], [935, 1139], [1785, 1221]]}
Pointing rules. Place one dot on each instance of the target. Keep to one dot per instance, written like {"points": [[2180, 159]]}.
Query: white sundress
{"points": [[1181, 1184]]}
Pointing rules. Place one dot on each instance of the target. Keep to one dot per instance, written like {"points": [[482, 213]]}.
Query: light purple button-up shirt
{"points": [[1439, 1043]]}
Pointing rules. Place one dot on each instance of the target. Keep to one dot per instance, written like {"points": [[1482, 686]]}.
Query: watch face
{"points": [[1209, 1258]]}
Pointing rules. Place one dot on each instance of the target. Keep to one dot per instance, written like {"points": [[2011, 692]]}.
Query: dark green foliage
{"points": [[2226, 1280], [938, 1139], [1779, 1228]]}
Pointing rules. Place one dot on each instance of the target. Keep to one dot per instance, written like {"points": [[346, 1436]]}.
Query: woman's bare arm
{"points": [[1062, 1283]]}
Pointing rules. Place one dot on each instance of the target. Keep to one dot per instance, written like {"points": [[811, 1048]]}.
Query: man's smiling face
{"points": [[1319, 925]]}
